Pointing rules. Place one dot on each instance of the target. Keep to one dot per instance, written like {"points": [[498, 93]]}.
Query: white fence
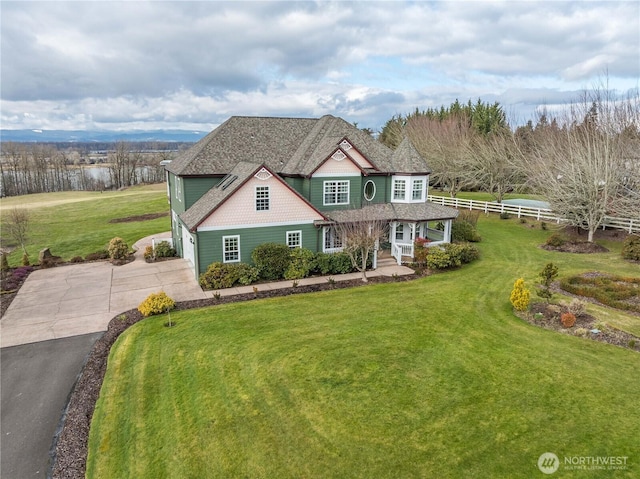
{"points": [[543, 214]]}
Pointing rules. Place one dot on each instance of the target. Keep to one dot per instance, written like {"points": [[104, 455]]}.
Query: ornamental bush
{"points": [[118, 249], [4, 262], [164, 250], [272, 260], [226, 275], [464, 231], [156, 303], [568, 319], [631, 248], [334, 263], [452, 255], [520, 296], [300, 265]]}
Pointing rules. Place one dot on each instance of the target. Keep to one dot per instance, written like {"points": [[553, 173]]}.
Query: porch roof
{"points": [[409, 212]]}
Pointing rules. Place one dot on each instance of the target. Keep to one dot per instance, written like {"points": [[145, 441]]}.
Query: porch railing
{"points": [[398, 250]]}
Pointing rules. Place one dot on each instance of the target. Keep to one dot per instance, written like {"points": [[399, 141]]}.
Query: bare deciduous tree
{"points": [[586, 167], [445, 144], [361, 230], [496, 163], [16, 227]]}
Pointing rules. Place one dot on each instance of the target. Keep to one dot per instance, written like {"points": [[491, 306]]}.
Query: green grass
{"points": [[431, 378], [77, 223]]}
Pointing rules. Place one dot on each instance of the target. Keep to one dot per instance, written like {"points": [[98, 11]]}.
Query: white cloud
{"points": [[83, 65]]}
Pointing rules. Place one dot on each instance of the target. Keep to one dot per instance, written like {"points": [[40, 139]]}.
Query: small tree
{"points": [[547, 275], [118, 249], [17, 227], [520, 296], [361, 230]]}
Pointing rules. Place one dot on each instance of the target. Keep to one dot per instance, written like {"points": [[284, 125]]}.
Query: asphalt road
{"points": [[36, 380]]}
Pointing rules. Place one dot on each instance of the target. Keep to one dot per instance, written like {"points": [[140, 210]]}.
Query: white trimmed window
{"points": [[399, 190], [294, 239], [178, 188], [262, 198], [400, 232], [369, 190], [231, 249], [417, 190], [332, 242], [336, 192]]}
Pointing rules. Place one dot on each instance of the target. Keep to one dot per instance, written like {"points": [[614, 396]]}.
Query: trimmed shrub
{"points": [[556, 240], [244, 273], [301, 264], [464, 231], [164, 250], [504, 215], [272, 260], [118, 249], [335, 263], [148, 253], [568, 319], [520, 296], [25, 259], [452, 255], [438, 259], [225, 275], [217, 276], [156, 303], [631, 248]]}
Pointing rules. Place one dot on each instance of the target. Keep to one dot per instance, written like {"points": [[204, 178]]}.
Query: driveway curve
{"points": [[79, 299]]}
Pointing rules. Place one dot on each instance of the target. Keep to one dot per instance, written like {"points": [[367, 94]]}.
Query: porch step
{"points": [[386, 261]]}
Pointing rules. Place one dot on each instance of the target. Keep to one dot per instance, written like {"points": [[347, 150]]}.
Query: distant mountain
{"points": [[80, 136]]}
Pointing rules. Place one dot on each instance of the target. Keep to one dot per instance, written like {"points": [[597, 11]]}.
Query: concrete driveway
{"points": [[79, 299]]}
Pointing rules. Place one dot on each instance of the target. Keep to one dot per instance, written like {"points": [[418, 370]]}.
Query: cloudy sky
{"points": [[190, 65]]}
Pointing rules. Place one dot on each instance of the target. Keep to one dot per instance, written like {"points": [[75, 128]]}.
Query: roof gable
{"points": [[231, 201]]}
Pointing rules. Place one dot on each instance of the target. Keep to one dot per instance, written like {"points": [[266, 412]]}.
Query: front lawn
{"points": [[430, 378]]}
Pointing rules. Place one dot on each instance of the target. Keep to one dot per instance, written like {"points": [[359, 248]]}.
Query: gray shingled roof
{"points": [[398, 212], [290, 146]]}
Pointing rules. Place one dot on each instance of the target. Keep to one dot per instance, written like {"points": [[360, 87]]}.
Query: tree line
{"points": [[41, 167], [584, 159]]}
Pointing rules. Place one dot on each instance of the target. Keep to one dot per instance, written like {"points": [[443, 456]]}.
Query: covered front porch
{"points": [[403, 235]]}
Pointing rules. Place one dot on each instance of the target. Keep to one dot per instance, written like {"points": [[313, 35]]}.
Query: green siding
{"points": [[209, 243], [383, 190], [194, 188], [355, 192], [177, 201], [301, 185]]}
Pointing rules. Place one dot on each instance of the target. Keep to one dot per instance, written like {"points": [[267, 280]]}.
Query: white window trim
{"points": [[268, 198], [409, 181], [290, 233], [423, 190], [324, 192], [178, 189], [224, 249], [397, 179], [364, 190]]}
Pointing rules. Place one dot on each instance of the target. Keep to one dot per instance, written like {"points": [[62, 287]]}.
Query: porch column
{"points": [[413, 231], [447, 231]]}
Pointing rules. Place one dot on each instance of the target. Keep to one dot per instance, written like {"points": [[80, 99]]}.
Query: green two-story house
{"points": [[255, 180]]}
